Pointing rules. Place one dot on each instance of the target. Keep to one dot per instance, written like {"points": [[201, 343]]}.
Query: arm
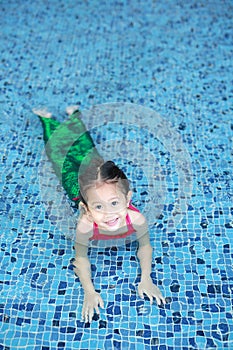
{"points": [[82, 264], [146, 284], [92, 299], [145, 257], [83, 268], [144, 253]]}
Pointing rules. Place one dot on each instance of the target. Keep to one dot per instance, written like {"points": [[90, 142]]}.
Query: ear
{"points": [[82, 207], [129, 197], [84, 210]]}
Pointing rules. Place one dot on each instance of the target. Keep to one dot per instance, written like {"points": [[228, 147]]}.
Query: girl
{"points": [[105, 205]]}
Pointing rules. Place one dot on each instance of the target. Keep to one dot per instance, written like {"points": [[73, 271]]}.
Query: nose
{"points": [[108, 215], [108, 210]]}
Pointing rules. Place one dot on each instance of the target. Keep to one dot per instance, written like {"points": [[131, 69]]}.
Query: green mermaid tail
{"points": [[67, 145]]}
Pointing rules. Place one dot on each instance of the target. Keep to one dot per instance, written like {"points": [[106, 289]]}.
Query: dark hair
{"points": [[99, 172]]}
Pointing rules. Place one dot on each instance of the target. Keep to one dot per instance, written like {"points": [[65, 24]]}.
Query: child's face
{"points": [[107, 206]]}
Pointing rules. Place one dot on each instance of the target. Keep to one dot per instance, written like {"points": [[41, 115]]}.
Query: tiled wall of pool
{"points": [[175, 58]]}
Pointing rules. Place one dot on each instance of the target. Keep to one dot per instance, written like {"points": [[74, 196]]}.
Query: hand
{"points": [[90, 305], [146, 286]]}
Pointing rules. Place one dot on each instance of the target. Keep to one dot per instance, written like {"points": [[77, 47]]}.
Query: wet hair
{"points": [[99, 172]]}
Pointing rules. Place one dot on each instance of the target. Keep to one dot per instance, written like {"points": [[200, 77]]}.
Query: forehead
{"points": [[104, 192]]}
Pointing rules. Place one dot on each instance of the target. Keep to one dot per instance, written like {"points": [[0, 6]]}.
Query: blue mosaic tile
{"points": [[174, 58]]}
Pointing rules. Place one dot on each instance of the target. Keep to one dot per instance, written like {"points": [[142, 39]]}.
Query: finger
{"points": [[160, 299], [140, 292], [85, 315], [90, 315], [101, 303], [97, 310], [151, 299], [85, 318], [163, 300]]}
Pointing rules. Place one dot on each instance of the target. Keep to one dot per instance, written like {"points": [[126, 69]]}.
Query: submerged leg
{"points": [[67, 145], [49, 124]]}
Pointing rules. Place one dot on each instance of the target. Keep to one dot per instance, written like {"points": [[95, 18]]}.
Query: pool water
{"points": [[173, 58]]}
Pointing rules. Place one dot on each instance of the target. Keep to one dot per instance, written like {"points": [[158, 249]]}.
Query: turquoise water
{"points": [[172, 58]]}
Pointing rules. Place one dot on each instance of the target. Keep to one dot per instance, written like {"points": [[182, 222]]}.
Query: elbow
{"points": [[144, 251], [81, 264], [76, 267]]}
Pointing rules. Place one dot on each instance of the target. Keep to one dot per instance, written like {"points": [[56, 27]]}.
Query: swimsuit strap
{"points": [[128, 222], [132, 207], [96, 231]]}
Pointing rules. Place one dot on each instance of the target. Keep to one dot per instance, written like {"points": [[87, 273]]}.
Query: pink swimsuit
{"points": [[130, 229]]}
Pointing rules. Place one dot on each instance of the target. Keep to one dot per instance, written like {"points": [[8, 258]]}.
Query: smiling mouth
{"points": [[112, 222]]}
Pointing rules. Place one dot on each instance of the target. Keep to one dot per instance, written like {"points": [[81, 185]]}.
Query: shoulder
{"points": [[140, 225], [137, 218], [84, 229]]}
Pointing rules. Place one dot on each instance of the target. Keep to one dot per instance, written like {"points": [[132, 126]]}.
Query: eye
{"points": [[115, 203], [98, 207]]}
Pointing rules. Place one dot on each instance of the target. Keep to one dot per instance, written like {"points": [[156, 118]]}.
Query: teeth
{"points": [[111, 222]]}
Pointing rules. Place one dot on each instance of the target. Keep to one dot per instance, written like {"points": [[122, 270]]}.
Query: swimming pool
{"points": [[174, 58]]}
